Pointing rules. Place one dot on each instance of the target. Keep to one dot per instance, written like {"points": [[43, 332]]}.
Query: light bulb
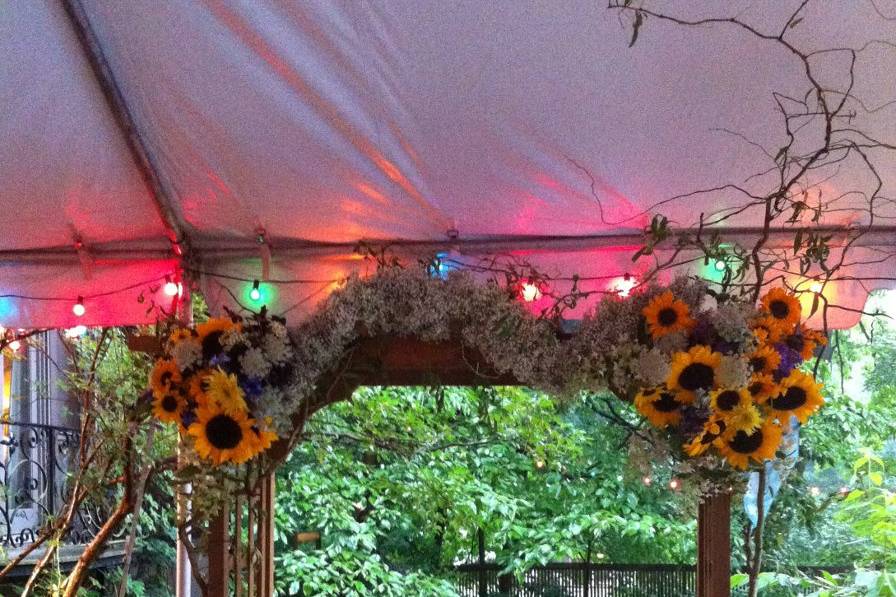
{"points": [[255, 293], [530, 292], [815, 490], [623, 286], [673, 484], [647, 480], [15, 345], [720, 265], [816, 287], [171, 288], [78, 308]]}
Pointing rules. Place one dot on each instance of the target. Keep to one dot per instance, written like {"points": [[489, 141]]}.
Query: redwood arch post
{"points": [[393, 361]]}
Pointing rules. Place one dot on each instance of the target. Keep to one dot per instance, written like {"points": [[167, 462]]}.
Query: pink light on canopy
{"points": [[332, 122]]}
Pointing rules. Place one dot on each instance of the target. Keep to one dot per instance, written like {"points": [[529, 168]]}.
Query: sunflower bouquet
{"points": [[731, 383], [216, 383]]}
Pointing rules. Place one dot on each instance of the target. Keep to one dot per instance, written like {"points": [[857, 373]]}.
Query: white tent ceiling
{"points": [[334, 122]]}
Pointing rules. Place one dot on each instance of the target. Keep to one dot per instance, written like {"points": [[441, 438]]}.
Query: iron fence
{"points": [[35, 465], [589, 580]]}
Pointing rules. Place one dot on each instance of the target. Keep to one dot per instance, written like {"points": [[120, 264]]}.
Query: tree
{"points": [[402, 482]]}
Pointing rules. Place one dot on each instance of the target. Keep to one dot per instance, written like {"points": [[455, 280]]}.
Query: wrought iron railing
{"points": [[35, 467]]}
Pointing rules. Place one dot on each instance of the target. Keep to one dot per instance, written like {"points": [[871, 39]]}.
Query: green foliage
{"points": [[404, 479]]}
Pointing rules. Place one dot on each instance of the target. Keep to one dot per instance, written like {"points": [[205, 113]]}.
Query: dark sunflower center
{"points": [[165, 377], [793, 398], [696, 376], [211, 344], [667, 316], [727, 400], [223, 432], [796, 342], [169, 403], [666, 403], [709, 437], [779, 309], [746, 443], [756, 388], [758, 363]]}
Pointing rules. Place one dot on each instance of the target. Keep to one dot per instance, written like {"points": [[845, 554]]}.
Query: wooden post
{"points": [[266, 537], [219, 555], [714, 546]]}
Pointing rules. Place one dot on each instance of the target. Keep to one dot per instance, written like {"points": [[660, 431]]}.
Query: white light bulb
{"points": [[15, 345], [78, 309], [530, 292], [171, 287], [623, 286]]}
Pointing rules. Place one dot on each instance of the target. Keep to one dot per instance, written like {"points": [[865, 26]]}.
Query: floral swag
{"points": [[718, 380]]}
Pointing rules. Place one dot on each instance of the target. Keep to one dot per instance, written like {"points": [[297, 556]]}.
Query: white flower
{"points": [[278, 329], [709, 303], [187, 353], [254, 364], [276, 349], [674, 342], [733, 372], [653, 367], [231, 338]]}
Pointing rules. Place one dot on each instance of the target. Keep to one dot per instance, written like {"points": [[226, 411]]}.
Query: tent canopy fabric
{"points": [[528, 129]]}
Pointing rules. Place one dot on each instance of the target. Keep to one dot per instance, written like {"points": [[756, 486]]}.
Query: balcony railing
{"points": [[35, 467]]}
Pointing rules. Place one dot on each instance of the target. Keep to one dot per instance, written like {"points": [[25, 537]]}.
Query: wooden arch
{"points": [[246, 558]]}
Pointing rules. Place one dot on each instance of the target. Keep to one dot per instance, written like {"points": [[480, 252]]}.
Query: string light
{"points": [[816, 287], [647, 481], [530, 292], [720, 265], [15, 345], [673, 484], [171, 287], [624, 285], [78, 308], [815, 490], [255, 293]]}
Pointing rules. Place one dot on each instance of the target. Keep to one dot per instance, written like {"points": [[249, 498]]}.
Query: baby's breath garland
{"points": [[717, 379]]}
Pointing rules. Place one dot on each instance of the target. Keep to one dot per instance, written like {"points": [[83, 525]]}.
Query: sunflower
{"points": [[210, 334], [224, 390], [783, 307], [762, 386], [221, 437], [199, 385], [661, 406], [169, 405], [262, 438], [767, 330], [714, 428], [759, 445], [805, 341], [799, 395], [765, 359], [164, 374], [693, 370], [181, 334], [214, 325], [665, 315], [744, 417], [726, 400]]}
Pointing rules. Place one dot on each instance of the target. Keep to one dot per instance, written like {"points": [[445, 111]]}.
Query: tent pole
{"points": [[144, 161]]}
